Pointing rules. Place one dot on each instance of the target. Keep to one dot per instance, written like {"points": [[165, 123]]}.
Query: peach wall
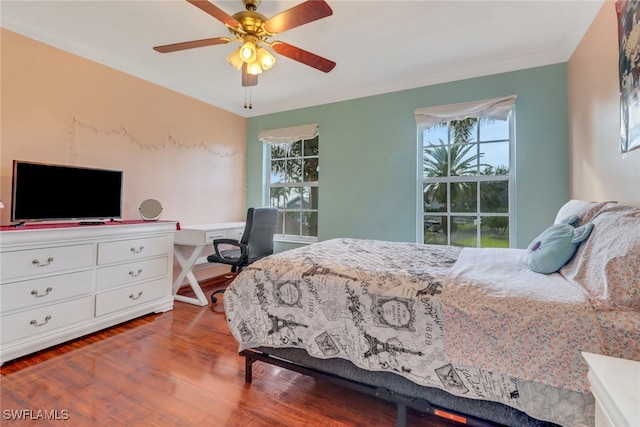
{"points": [[598, 170], [61, 108]]}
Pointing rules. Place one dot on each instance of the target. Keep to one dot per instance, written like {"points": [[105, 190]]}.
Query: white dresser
{"points": [[615, 384], [59, 282]]}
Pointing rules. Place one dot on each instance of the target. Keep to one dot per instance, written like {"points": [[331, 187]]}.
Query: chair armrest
{"points": [[244, 251]]}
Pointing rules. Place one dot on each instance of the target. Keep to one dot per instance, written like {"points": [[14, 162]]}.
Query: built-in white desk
{"points": [[189, 242]]}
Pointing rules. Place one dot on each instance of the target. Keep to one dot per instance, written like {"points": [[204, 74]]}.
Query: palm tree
{"points": [[279, 194], [435, 163], [451, 160]]}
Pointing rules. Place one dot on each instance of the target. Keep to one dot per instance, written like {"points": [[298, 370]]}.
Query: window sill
{"points": [[295, 239]]}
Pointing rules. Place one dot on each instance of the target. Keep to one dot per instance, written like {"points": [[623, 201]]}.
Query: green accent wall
{"points": [[369, 155]]}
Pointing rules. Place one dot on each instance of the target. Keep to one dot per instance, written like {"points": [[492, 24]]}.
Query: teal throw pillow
{"points": [[556, 245]]}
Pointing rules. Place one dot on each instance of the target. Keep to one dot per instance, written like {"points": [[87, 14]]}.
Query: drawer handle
{"points": [[134, 297], [35, 323], [36, 294], [135, 274], [37, 262], [137, 251]]}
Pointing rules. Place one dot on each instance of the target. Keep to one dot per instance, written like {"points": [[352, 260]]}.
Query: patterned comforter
{"points": [[536, 325], [379, 305]]}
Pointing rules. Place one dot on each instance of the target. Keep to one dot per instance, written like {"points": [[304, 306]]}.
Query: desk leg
{"points": [[187, 266]]}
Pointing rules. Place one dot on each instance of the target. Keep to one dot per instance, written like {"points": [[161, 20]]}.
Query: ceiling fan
{"points": [[253, 30]]}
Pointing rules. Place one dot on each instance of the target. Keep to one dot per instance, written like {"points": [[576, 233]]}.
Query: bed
{"points": [[468, 334]]}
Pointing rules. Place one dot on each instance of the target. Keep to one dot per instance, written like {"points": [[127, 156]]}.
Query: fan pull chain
{"points": [[250, 106]]}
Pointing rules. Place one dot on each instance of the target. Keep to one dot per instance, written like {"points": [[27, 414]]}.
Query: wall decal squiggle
{"points": [[170, 141]]}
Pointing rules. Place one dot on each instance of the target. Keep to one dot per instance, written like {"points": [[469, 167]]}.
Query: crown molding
{"points": [[454, 72]]}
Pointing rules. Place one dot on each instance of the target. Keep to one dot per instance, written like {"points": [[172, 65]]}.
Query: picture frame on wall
{"points": [[628, 13]]}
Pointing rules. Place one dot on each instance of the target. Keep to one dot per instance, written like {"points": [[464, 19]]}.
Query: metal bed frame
{"points": [[401, 401]]}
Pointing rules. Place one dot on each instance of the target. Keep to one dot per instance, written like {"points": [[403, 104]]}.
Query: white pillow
{"points": [[583, 209]]}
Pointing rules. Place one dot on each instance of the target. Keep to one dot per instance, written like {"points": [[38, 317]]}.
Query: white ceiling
{"points": [[379, 46]]}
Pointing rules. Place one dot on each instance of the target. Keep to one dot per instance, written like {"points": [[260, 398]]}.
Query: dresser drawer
{"points": [[31, 262], [131, 296], [30, 293], [122, 274], [44, 319], [129, 250]]}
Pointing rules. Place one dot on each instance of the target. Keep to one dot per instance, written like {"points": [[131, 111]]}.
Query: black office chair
{"points": [[256, 242]]}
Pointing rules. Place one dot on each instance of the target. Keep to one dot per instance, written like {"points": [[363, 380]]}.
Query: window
{"points": [[466, 178], [293, 169]]}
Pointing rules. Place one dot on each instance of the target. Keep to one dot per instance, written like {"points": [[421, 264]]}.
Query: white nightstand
{"points": [[615, 383]]}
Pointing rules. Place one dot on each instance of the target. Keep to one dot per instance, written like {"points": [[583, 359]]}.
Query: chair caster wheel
{"points": [[214, 299]]}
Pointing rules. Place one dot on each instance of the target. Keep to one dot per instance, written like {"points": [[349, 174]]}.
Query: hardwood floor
{"points": [[178, 368]]}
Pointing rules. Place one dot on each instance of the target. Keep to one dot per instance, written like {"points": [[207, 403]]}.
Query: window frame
{"points": [[510, 178], [291, 238]]}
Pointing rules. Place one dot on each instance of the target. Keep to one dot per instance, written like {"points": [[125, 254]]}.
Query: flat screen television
{"points": [[49, 192]]}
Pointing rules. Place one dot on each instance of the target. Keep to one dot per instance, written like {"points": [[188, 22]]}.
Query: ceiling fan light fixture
{"points": [[265, 58], [253, 31], [235, 60], [254, 68], [248, 51]]}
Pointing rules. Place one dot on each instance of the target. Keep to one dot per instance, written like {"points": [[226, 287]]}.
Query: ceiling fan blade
{"points": [[248, 79], [306, 12], [191, 44], [216, 12], [303, 56]]}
